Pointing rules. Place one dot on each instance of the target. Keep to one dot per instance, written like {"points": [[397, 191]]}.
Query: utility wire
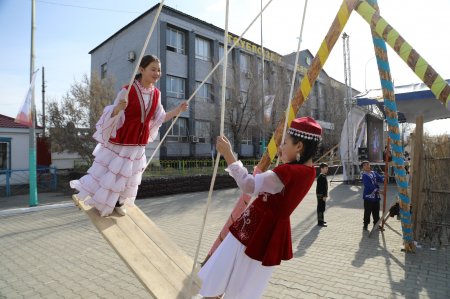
{"points": [[86, 7]]}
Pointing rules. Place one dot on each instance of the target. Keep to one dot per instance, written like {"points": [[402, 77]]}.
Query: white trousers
{"points": [[231, 272]]}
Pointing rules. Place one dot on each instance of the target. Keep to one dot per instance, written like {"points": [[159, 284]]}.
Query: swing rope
{"points": [[222, 121], [294, 73], [290, 93]]}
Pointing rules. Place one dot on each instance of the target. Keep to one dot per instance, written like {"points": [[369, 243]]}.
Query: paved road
{"points": [[55, 252]]}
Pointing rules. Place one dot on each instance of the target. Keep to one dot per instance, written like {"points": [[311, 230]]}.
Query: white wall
{"points": [[19, 154]]}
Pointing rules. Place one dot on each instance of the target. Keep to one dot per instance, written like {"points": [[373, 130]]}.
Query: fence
{"points": [[16, 181], [190, 167], [433, 225]]}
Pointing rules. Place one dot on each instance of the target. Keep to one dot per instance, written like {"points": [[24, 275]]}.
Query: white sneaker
{"points": [[121, 210]]}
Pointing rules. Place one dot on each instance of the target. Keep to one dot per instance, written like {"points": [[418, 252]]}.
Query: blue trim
{"points": [[394, 136], [404, 198], [407, 231], [400, 172], [390, 104]]}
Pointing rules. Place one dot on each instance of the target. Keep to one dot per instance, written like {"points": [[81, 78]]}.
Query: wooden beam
{"points": [[416, 175], [159, 264]]}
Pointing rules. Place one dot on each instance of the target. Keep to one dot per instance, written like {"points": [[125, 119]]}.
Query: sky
{"points": [[66, 30]]}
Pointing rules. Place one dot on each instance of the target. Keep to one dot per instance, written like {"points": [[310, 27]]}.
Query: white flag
{"points": [[24, 116]]}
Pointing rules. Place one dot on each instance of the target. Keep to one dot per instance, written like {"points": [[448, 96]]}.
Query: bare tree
{"points": [[245, 104], [72, 120]]}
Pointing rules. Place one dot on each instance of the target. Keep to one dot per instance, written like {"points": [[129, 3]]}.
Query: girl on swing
{"points": [[123, 131], [261, 237]]}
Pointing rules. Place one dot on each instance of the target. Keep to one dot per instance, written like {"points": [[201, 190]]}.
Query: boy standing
{"points": [[371, 194], [322, 194]]}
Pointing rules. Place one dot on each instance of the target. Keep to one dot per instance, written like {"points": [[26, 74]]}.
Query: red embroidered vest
{"points": [[136, 128], [265, 228]]}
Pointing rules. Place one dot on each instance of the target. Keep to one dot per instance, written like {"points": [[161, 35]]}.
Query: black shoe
{"points": [[322, 225], [365, 227]]}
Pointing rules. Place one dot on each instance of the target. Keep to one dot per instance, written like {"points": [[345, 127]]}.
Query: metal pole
{"points": [[43, 102], [32, 135], [349, 168], [263, 124]]}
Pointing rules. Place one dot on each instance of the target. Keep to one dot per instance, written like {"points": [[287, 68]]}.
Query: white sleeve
{"points": [[157, 120], [263, 182], [107, 126]]}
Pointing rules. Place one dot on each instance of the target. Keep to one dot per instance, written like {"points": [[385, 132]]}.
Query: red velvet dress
{"points": [[265, 228]]}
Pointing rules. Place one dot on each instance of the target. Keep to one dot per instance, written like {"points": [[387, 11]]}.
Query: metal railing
{"points": [[191, 167], [16, 181]]}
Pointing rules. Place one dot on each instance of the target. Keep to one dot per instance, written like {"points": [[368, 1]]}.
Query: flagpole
{"points": [[32, 135]]}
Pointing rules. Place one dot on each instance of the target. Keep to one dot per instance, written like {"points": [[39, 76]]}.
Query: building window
{"points": [[202, 49], [244, 98], [221, 51], [203, 131], [178, 133], [228, 94], [245, 62], [4, 152], [228, 132], [103, 70], [175, 87], [247, 136], [204, 93], [175, 40]]}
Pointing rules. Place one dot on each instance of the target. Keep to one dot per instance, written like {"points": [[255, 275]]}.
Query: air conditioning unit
{"points": [[193, 139], [249, 75]]}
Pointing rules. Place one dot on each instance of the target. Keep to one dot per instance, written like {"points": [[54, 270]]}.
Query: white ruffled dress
{"points": [[117, 170]]}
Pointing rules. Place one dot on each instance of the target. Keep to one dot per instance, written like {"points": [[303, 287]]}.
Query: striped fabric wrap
{"points": [[394, 132]]}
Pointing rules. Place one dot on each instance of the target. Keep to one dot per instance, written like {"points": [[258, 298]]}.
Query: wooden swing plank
{"points": [[159, 264]]}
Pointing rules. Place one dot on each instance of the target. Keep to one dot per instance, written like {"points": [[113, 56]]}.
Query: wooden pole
{"points": [[417, 165], [386, 179]]}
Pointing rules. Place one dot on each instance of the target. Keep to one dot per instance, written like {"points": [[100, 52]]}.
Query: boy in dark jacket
{"points": [[322, 194]]}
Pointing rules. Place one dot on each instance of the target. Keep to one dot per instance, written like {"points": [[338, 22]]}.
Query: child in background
{"points": [[261, 237], [371, 194], [322, 194]]}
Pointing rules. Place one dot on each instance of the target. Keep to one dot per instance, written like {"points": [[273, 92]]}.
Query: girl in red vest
{"points": [[261, 237], [123, 131]]}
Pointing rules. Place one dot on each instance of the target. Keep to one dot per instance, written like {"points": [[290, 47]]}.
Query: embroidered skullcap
{"points": [[306, 128]]}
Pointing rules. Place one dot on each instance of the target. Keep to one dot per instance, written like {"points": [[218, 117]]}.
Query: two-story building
{"points": [[189, 49]]}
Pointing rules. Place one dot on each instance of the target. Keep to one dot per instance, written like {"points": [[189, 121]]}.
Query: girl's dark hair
{"points": [[146, 60], [309, 148]]}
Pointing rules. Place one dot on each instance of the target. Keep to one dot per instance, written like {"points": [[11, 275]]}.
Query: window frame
{"points": [[245, 67], [179, 136], [177, 94], [103, 70], [202, 138], [7, 159], [202, 44], [180, 45], [222, 52], [200, 94]]}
